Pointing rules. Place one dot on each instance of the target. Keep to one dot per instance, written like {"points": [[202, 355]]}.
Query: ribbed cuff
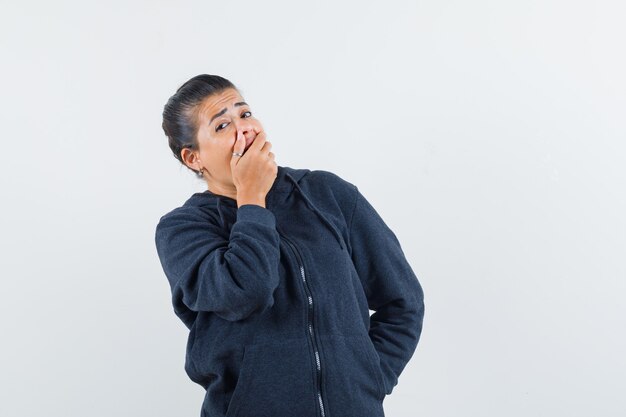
{"points": [[257, 214]]}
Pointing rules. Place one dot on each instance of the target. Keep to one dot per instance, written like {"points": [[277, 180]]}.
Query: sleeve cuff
{"points": [[257, 214]]}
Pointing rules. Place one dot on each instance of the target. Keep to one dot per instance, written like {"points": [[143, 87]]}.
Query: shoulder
{"points": [[178, 213], [331, 181], [331, 191], [186, 217], [321, 182]]}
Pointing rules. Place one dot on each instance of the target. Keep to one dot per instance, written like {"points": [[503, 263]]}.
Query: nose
{"points": [[245, 126]]}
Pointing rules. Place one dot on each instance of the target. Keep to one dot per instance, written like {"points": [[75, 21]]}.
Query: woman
{"points": [[274, 270]]}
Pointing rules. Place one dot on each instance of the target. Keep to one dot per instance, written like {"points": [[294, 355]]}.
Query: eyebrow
{"points": [[240, 103]]}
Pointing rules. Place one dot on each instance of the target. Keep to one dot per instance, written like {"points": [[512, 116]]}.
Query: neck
{"points": [[228, 191]]}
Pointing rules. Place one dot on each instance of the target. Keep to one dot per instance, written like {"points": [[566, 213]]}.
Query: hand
{"points": [[254, 172]]}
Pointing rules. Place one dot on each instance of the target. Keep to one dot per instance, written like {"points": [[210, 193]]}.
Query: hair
{"points": [[180, 113]]}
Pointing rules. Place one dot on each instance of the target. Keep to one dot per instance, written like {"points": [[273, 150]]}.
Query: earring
{"points": [[199, 173]]}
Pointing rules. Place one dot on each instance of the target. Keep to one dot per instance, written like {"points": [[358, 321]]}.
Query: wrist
{"points": [[250, 198]]}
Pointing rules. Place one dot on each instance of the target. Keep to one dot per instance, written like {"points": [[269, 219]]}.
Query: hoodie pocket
{"points": [[352, 376], [276, 379], [375, 360]]}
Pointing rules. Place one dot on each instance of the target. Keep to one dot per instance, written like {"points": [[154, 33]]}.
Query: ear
{"points": [[190, 158]]}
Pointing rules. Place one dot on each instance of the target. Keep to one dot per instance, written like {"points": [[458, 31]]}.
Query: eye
{"points": [[217, 128]]}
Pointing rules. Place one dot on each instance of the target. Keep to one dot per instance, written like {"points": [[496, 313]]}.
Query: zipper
{"points": [[318, 382]]}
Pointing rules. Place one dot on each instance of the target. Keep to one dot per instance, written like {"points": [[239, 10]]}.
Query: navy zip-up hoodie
{"points": [[277, 299]]}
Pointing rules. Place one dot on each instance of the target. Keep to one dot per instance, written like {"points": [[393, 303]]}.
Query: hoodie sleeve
{"points": [[391, 287], [231, 276]]}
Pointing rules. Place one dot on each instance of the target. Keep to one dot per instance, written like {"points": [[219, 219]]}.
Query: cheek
{"points": [[229, 145], [226, 149], [216, 150], [221, 144]]}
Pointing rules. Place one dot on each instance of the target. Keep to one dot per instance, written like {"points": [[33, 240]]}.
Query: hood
{"points": [[285, 184]]}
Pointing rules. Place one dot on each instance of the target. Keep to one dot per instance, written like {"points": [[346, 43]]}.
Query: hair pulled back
{"points": [[180, 113]]}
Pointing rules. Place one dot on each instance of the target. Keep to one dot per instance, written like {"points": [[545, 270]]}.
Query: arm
{"points": [[232, 276], [391, 287]]}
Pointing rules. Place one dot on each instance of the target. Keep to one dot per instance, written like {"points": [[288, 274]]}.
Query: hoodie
{"points": [[277, 299]]}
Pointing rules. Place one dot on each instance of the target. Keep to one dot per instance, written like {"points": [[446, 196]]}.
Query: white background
{"points": [[488, 134]]}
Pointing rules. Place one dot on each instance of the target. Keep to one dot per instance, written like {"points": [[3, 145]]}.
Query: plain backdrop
{"points": [[489, 135]]}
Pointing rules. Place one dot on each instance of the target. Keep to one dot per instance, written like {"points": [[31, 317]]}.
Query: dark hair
{"points": [[180, 113]]}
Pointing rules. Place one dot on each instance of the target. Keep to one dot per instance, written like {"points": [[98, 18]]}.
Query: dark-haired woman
{"points": [[274, 270]]}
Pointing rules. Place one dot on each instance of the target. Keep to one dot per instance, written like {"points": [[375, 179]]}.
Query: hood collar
{"points": [[281, 185], [315, 210]]}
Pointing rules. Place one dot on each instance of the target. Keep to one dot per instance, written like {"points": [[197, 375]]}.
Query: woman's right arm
{"points": [[231, 277]]}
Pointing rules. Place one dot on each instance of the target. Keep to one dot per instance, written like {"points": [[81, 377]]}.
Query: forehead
{"points": [[217, 102]]}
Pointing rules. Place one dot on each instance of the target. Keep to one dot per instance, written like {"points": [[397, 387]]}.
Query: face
{"points": [[219, 118]]}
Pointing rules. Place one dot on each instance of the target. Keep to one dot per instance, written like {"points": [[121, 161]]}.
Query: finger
{"points": [[259, 143], [240, 144]]}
